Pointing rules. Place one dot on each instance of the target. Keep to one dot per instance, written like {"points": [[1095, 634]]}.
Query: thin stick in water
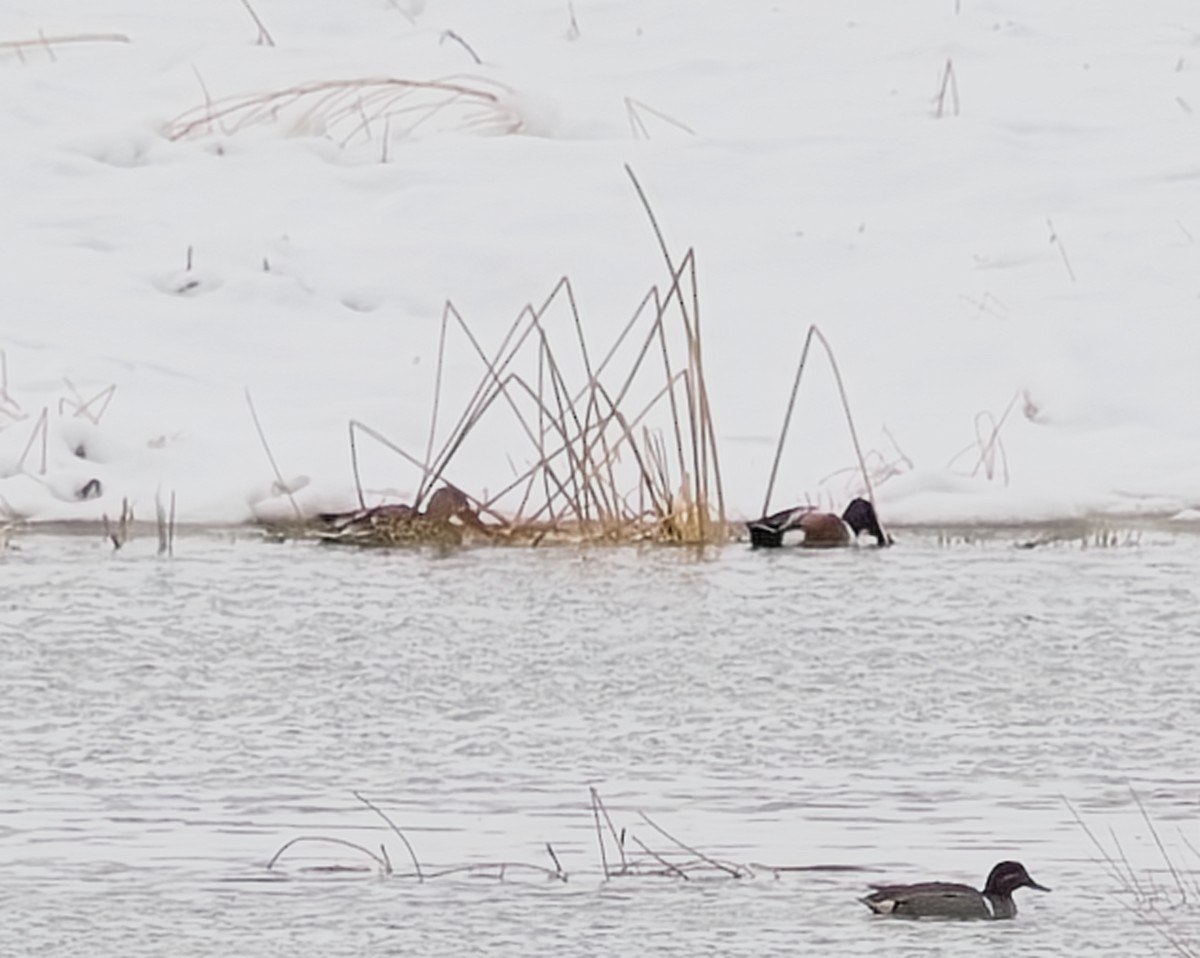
{"points": [[395, 828]]}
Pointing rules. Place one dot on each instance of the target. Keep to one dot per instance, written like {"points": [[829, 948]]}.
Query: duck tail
{"points": [[767, 532], [764, 536]]}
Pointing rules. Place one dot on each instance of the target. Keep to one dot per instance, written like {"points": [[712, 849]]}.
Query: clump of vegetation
{"points": [[1166, 898], [619, 444], [360, 109], [622, 854]]}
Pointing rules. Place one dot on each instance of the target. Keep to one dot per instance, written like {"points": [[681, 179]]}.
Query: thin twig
{"points": [[262, 437], [395, 828], [728, 869], [451, 35], [671, 868], [557, 864], [382, 863], [600, 833], [1161, 848], [815, 333], [264, 35], [49, 41], [1054, 239]]}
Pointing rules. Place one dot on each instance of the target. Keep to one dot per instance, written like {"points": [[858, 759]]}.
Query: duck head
{"points": [[860, 517], [1007, 877]]}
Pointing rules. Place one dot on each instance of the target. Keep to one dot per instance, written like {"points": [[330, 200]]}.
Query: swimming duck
{"points": [[821, 529], [938, 899]]}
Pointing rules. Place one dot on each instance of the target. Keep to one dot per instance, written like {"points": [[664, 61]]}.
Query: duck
{"points": [[821, 529], [442, 523], [938, 899]]}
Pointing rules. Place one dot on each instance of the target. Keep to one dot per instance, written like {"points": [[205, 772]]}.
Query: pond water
{"points": [[921, 712]]}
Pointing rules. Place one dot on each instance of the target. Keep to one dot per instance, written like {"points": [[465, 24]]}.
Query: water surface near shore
{"points": [[923, 711]]}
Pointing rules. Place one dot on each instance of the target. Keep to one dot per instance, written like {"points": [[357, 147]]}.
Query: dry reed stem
{"points": [[500, 868], [989, 447], [478, 397], [437, 398], [262, 438], [1182, 889], [49, 42], [1054, 240], [383, 864], [949, 85], [165, 525], [264, 35], [638, 126], [40, 428], [600, 833], [119, 534], [564, 287], [1144, 907], [576, 470], [558, 869], [492, 386], [703, 433], [82, 406], [732, 871], [668, 866], [628, 431], [395, 828], [451, 35], [814, 332], [8, 406], [600, 811]]}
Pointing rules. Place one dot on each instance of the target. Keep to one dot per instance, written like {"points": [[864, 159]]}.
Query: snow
{"points": [[1027, 258]]}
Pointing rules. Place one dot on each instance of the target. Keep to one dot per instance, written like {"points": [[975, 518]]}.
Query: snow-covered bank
{"points": [[1030, 251]]}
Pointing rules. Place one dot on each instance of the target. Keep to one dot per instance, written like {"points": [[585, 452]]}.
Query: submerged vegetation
{"points": [[1165, 898], [645, 850]]}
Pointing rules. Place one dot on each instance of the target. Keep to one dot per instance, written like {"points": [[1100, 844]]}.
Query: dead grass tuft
{"points": [[359, 110]]}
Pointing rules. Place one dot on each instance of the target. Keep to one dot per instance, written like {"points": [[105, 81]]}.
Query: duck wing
{"points": [[927, 899], [768, 531]]}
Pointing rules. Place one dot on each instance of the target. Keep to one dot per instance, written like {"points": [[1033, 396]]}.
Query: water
{"points": [[166, 726]]}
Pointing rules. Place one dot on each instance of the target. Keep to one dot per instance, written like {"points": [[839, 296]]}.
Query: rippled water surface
{"points": [[166, 726]]}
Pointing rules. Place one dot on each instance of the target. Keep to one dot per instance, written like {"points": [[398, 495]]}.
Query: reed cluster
{"points": [[618, 442]]}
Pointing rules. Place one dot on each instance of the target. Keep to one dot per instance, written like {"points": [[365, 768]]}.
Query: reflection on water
{"points": [[919, 712]]}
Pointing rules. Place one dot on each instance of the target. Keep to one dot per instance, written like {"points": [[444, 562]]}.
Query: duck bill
{"points": [[1033, 884]]}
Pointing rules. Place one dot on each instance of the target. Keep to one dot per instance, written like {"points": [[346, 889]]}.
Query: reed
{"points": [[47, 43], [1170, 909], [264, 35], [40, 431], [164, 522], [657, 853], [609, 450], [117, 532], [947, 92], [814, 334], [634, 110], [281, 485], [679, 860], [988, 443], [498, 870]]}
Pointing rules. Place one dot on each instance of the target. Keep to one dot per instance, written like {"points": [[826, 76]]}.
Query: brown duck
{"points": [[819, 529]]}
